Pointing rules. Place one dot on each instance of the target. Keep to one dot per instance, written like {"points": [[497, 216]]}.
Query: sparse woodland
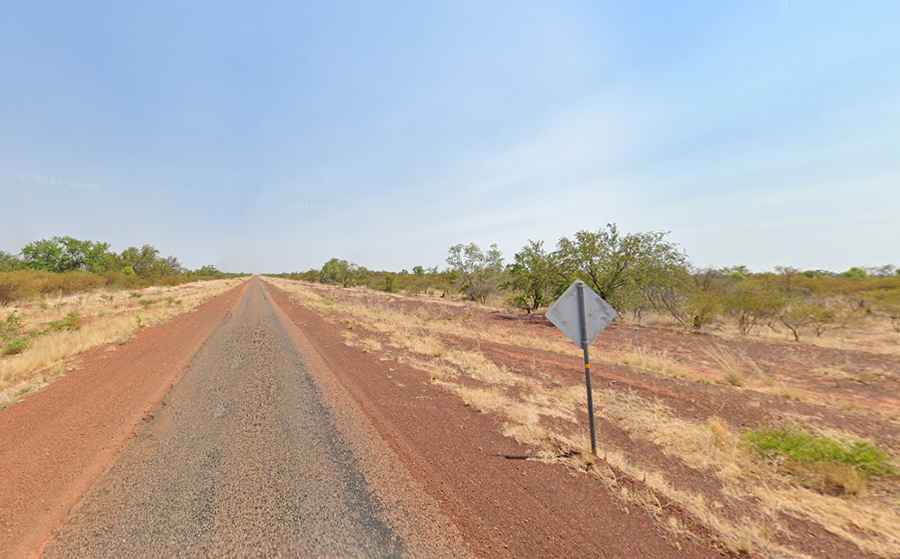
{"points": [[644, 274], [64, 265]]}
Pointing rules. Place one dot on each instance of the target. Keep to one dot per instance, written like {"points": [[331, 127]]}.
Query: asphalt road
{"points": [[243, 459]]}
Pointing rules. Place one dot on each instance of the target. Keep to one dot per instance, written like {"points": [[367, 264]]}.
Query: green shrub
{"points": [[70, 322], [10, 327], [16, 346], [805, 448]]}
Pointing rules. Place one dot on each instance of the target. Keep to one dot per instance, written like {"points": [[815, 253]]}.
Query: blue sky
{"points": [[272, 136]]}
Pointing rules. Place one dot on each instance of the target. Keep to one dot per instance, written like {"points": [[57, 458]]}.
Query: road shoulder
{"points": [[412, 512], [58, 442]]}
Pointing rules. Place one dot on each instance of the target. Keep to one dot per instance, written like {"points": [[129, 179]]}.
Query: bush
{"points": [[752, 303], [11, 327], [69, 323], [15, 347], [802, 447], [531, 277], [479, 273], [694, 300], [24, 284], [619, 267]]}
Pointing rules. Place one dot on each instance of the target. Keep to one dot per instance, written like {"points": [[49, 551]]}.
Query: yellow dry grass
{"points": [[874, 333], [378, 312], [711, 447], [106, 317]]}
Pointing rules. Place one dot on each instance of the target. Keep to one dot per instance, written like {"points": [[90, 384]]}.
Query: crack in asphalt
{"points": [[242, 459]]}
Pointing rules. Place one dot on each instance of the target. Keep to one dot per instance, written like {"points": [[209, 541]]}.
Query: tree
{"points": [[10, 262], [478, 273], [618, 266], [855, 273], [208, 270], [752, 303], [342, 272], [147, 263], [796, 315], [531, 276], [693, 299], [334, 271], [63, 254], [388, 285], [45, 254]]}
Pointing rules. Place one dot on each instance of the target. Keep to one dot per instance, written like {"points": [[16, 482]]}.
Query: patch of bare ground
{"points": [[673, 410]]}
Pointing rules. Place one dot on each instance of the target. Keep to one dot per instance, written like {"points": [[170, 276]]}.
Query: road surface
{"points": [[242, 459]]}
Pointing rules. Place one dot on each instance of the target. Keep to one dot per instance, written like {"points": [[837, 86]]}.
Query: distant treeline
{"points": [[68, 265], [637, 273]]}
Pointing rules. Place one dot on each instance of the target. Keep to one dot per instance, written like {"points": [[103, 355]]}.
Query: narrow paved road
{"points": [[243, 459]]}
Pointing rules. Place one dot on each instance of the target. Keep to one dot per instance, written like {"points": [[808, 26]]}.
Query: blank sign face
{"points": [[564, 313]]}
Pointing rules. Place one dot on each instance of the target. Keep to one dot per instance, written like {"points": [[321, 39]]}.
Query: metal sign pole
{"points": [[582, 324]]}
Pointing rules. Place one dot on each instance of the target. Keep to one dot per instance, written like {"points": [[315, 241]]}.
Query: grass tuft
{"points": [[15, 347], [69, 323], [804, 448]]}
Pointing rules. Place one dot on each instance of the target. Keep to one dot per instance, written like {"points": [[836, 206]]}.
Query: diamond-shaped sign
{"points": [[597, 313]]}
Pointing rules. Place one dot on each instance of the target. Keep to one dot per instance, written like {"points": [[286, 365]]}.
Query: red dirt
{"points": [[462, 447], [503, 505], [55, 443]]}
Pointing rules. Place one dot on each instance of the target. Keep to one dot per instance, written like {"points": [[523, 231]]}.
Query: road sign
{"points": [[581, 314], [564, 313]]}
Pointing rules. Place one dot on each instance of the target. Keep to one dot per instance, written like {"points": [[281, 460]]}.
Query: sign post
{"points": [[581, 315]]}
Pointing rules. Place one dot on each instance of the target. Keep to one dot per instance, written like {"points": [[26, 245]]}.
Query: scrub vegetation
{"points": [[65, 265], [62, 296], [773, 447], [645, 276]]}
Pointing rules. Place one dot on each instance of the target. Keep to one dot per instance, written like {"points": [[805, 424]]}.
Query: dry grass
{"points": [[653, 361], [873, 333], [369, 345], [546, 417], [736, 368], [869, 524], [106, 317]]}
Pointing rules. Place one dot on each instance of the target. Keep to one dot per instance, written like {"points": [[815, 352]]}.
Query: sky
{"points": [[271, 136]]}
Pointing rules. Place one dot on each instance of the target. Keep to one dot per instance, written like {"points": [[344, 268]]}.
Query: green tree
{"points": [[389, 283], [208, 270], [855, 273], [752, 303], [45, 254], [64, 254], [693, 299], [147, 263], [618, 266], [531, 276], [10, 262], [477, 272], [334, 271], [342, 272]]}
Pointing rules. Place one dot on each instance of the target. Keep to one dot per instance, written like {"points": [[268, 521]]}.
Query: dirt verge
{"points": [[54, 444], [503, 504]]}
